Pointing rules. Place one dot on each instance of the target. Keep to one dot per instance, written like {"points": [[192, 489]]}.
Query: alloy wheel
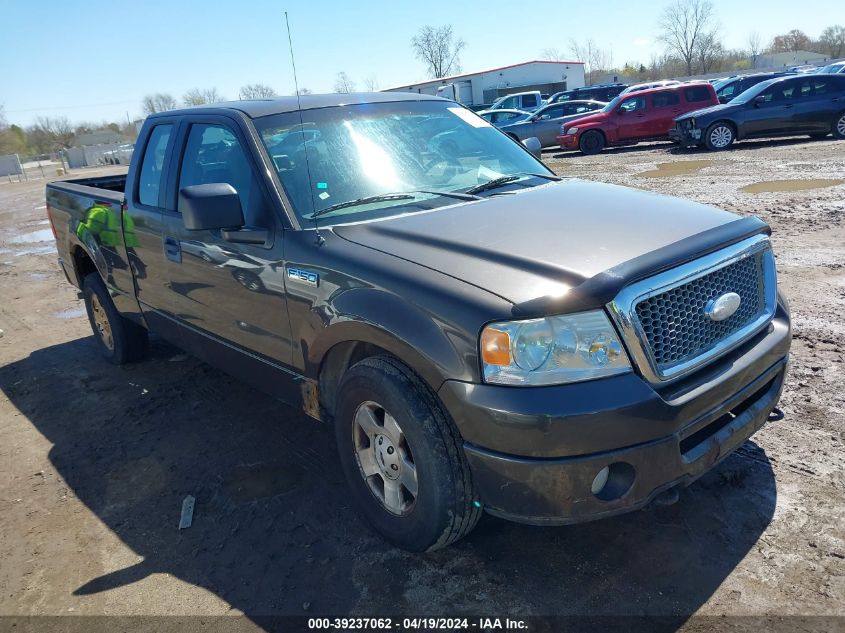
{"points": [[384, 458], [721, 136], [840, 125], [101, 322]]}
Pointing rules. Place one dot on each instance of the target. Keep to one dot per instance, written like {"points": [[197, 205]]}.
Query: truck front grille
{"points": [[663, 319], [674, 322]]}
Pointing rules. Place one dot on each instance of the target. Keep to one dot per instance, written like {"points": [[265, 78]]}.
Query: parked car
{"points": [[787, 106], [544, 124], [729, 88], [832, 69], [503, 116], [510, 353], [527, 101], [803, 68], [600, 92], [648, 85], [646, 115]]}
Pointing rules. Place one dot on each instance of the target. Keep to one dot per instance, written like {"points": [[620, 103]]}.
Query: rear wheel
{"points": [[591, 142], [403, 457], [119, 339], [839, 126], [719, 136]]}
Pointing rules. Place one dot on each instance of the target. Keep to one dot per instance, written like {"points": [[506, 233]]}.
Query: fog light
{"points": [[600, 480]]}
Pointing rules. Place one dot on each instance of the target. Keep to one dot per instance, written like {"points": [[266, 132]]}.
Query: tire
{"points": [[427, 454], [719, 136], [839, 126], [119, 339], [591, 142]]}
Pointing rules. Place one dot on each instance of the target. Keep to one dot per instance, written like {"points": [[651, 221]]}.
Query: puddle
{"points": [[39, 276], [33, 237], [70, 313], [791, 185], [676, 168], [247, 483]]}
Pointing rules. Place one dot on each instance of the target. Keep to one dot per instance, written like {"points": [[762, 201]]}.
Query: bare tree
{"points": [[158, 102], [596, 60], [832, 41], [709, 52], [344, 83], [58, 130], [552, 55], [794, 40], [682, 24], [197, 96], [304, 91], [371, 83], [755, 47], [256, 91], [439, 50]]}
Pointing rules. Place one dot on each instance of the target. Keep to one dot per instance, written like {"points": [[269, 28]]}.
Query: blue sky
{"points": [[95, 59]]}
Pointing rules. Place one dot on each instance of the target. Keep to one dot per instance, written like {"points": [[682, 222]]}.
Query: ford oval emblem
{"points": [[722, 307]]}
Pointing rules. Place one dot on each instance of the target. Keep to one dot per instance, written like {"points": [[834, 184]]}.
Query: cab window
{"points": [[633, 104], [152, 165], [213, 154], [529, 101]]}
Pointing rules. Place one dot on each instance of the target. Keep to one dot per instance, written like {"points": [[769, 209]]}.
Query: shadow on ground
{"points": [[273, 530]]}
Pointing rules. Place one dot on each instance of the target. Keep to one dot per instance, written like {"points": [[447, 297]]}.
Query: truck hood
{"points": [[540, 242]]}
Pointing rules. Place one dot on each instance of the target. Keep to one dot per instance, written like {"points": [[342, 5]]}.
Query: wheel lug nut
{"points": [[390, 450], [394, 467]]}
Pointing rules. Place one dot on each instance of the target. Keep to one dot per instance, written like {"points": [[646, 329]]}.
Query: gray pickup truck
{"points": [[481, 335]]}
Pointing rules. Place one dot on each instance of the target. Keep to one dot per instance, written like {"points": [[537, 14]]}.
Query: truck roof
{"points": [[279, 105]]}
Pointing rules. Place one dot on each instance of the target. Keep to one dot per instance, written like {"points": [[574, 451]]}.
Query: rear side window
{"points": [[213, 154], [700, 93], [665, 99], [152, 165]]}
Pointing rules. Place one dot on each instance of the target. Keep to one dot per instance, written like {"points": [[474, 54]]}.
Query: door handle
{"points": [[173, 249], [788, 106]]}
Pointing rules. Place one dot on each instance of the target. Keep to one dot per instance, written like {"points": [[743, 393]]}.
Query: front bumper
{"points": [[534, 452], [568, 141], [685, 135]]}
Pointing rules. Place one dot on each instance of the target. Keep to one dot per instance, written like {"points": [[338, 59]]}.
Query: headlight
{"points": [[552, 350], [571, 130]]}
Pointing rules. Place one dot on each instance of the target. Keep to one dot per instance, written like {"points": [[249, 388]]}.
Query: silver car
{"points": [[544, 124]]}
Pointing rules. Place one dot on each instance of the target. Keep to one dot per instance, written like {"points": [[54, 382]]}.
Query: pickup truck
{"points": [[482, 335]]}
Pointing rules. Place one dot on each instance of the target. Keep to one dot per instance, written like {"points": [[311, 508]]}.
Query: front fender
{"points": [[429, 344]]}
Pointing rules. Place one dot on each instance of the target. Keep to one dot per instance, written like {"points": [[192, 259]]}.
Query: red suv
{"points": [[638, 116]]}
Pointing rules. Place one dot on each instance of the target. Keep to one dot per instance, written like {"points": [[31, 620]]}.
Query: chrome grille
{"points": [[662, 320], [674, 322]]}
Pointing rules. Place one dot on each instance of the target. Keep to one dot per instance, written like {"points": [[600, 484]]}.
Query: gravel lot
{"points": [[95, 460]]}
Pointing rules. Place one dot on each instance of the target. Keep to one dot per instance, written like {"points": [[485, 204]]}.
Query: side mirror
{"points": [[723, 99], [212, 206], [534, 146], [759, 99]]}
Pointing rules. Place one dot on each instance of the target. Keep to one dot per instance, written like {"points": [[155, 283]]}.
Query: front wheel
{"points": [[719, 136], [591, 142], [839, 126], [119, 339], [403, 457]]}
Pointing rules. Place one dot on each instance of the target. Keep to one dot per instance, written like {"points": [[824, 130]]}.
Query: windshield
{"points": [[753, 91], [354, 153], [830, 69], [612, 104]]}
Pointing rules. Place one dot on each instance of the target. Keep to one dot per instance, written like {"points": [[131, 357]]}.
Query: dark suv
{"points": [[603, 92], [729, 88]]}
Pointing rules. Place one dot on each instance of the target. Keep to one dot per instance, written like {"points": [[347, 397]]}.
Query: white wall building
{"points": [[487, 85]]}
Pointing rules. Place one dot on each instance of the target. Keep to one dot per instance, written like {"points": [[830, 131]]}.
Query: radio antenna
{"points": [[320, 239]]}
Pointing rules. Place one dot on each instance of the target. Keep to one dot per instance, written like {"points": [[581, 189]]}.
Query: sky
{"points": [[94, 60]]}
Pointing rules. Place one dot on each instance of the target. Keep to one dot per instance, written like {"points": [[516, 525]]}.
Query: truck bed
{"points": [[116, 183]]}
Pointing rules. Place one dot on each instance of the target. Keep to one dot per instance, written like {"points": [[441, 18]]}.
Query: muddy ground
{"points": [[95, 460]]}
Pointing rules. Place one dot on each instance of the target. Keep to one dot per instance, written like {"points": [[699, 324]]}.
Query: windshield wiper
{"points": [[503, 180], [387, 197]]}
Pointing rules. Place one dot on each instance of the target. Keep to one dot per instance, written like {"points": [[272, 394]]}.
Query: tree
{"points": [[832, 41], [794, 40], [755, 47], [683, 24], [196, 96], [344, 83], [158, 102], [371, 83], [256, 91], [595, 59], [439, 50], [55, 132], [709, 52], [552, 55], [303, 92]]}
